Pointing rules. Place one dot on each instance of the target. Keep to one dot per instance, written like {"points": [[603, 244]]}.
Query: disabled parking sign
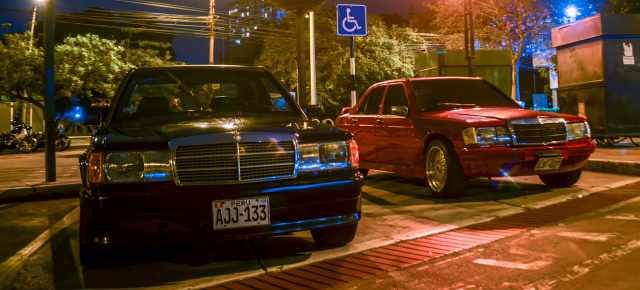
{"points": [[352, 20]]}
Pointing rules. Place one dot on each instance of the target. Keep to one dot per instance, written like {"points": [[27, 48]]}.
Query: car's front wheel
{"points": [[334, 236], [562, 179], [443, 172]]}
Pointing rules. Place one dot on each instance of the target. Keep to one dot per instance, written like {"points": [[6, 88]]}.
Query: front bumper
{"points": [[520, 161], [157, 214]]}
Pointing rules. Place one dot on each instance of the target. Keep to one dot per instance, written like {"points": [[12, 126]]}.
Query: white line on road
{"points": [[530, 266], [586, 266], [11, 266], [623, 217], [599, 237]]}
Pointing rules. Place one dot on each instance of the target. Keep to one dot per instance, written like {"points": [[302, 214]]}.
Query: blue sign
{"points": [[352, 20]]}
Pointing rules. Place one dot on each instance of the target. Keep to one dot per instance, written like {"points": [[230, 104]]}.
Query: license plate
{"points": [[548, 163], [236, 213]]}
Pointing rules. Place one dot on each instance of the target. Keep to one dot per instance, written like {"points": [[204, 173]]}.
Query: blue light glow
{"points": [[156, 176]]}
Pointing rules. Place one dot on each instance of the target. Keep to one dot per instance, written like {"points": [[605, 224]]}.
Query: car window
{"points": [[371, 105], [442, 94], [222, 92], [396, 96]]}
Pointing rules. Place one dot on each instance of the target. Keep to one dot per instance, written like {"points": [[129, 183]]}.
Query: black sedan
{"points": [[190, 154]]}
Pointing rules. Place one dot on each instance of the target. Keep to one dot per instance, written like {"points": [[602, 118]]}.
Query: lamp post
{"points": [[33, 22]]}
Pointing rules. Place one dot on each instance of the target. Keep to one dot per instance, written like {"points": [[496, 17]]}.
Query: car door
{"points": [[362, 124], [397, 140]]}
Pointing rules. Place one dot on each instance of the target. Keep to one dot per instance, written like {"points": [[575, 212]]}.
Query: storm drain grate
{"points": [[339, 271]]}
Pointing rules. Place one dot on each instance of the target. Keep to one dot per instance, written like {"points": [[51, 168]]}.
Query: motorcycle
{"points": [[18, 139], [61, 143]]}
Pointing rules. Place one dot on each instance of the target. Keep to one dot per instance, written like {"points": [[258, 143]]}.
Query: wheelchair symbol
{"points": [[350, 19]]}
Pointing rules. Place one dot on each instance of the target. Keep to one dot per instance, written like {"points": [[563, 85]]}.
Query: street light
{"points": [[33, 22], [571, 12]]}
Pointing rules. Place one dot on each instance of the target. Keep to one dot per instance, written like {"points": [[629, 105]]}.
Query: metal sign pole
{"points": [[353, 72], [49, 96]]}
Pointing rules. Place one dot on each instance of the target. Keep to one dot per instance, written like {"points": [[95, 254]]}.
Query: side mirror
{"points": [[346, 110], [312, 111], [95, 115], [400, 111]]}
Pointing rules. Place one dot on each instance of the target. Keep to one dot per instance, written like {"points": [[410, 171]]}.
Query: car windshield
{"points": [[442, 94], [216, 92]]}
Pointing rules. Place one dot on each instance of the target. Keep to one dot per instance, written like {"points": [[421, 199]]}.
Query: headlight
{"points": [[322, 156], [577, 131], [129, 166], [486, 135]]}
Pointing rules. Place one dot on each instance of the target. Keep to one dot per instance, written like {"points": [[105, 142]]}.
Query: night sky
{"points": [[190, 49]]}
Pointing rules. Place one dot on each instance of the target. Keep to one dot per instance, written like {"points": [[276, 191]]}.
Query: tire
{"points": [[93, 256], [62, 142], [364, 172], [96, 257], [443, 172], [335, 235], [27, 145], [560, 180]]}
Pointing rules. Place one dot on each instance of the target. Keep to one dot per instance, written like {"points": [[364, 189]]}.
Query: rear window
{"points": [[443, 94]]}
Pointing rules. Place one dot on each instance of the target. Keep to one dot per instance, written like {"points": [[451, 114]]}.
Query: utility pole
{"points": [[469, 39], [212, 4], [312, 57]]}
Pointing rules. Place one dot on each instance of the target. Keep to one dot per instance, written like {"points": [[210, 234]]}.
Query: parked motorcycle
{"points": [[61, 143], [18, 139]]}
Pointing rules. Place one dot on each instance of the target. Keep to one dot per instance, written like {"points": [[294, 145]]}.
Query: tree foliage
{"points": [[515, 24], [384, 54], [20, 68], [85, 66], [622, 6]]}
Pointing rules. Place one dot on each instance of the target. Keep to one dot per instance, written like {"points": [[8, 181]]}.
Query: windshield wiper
{"points": [[183, 85]]}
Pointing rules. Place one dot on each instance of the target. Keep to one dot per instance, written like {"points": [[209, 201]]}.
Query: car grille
{"points": [[234, 162], [539, 134]]}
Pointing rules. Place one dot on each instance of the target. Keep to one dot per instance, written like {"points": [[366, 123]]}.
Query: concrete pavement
{"points": [[20, 183]]}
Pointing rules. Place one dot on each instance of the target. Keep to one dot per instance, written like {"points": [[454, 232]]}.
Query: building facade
{"points": [[247, 16]]}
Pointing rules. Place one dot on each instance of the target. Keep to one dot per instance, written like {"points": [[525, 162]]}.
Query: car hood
{"points": [[473, 115], [141, 135]]}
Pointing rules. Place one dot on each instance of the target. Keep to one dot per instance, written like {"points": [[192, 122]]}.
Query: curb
{"points": [[608, 166], [40, 192]]}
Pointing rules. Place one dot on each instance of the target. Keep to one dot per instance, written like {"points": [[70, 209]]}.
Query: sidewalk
{"points": [[23, 184]]}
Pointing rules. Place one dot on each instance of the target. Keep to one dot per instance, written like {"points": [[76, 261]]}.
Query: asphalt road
{"points": [[39, 242], [599, 250]]}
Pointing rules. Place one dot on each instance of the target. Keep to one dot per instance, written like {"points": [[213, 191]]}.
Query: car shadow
{"points": [[478, 190]]}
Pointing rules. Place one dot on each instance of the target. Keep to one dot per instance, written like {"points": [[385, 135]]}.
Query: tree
{"points": [[88, 63], [385, 54], [622, 6], [85, 66], [513, 24], [20, 69]]}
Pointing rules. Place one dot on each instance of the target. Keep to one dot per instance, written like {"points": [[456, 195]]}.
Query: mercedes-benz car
{"points": [[191, 154], [449, 129]]}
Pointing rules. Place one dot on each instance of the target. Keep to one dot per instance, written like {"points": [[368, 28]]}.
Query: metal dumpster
{"points": [[599, 73]]}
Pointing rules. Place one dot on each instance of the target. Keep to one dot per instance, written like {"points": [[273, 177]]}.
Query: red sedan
{"points": [[449, 129]]}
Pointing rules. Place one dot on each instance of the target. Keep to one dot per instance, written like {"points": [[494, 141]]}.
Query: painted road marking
{"points": [[586, 266], [589, 236], [10, 267], [623, 217], [530, 266]]}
